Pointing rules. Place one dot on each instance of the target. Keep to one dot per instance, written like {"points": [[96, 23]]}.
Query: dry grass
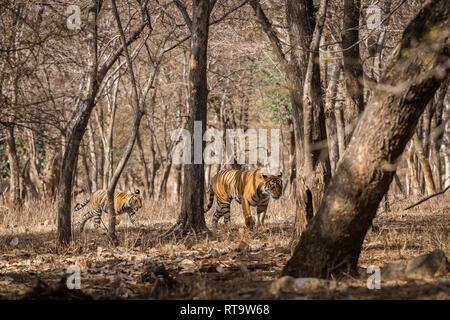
{"points": [[206, 268]]}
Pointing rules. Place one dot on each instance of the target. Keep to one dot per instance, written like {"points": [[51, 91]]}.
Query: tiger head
{"points": [[134, 199], [273, 185]]}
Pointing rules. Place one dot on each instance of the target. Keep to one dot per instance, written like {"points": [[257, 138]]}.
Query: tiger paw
{"points": [[250, 222]]}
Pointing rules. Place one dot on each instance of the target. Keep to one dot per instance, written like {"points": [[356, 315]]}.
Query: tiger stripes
{"points": [[129, 202], [249, 188]]}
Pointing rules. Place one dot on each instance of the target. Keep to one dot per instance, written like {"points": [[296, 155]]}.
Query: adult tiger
{"points": [[249, 188], [128, 202]]}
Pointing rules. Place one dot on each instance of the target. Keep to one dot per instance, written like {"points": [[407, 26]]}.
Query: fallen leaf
{"points": [[242, 246], [189, 244]]}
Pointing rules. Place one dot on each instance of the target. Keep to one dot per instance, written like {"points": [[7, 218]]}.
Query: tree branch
{"points": [[270, 32], [184, 13], [427, 198]]}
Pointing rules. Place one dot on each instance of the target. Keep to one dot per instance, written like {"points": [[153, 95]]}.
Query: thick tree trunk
{"points": [[332, 241], [353, 70], [192, 217], [316, 166]]}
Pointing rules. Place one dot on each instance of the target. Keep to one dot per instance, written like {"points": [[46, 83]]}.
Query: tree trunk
{"points": [[446, 142], [437, 131], [138, 114], [425, 165], [192, 217], [330, 118], [165, 178], [155, 167], [95, 76], [176, 192], [86, 169], [144, 164], [316, 166], [35, 178], [93, 154], [74, 136], [292, 161], [301, 25], [332, 241], [14, 171], [353, 71], [412, 169], [446, 151]]}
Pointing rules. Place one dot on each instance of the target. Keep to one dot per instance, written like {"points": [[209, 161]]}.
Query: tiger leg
{"points": [[85, 218], [132, 219], [220, 211], [97, 219], [261, 211], [226, 213], [216, 216], [249, 220]]}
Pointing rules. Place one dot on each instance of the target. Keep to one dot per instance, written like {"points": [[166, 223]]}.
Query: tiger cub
{"points": [[128, 202], [249, 188]]}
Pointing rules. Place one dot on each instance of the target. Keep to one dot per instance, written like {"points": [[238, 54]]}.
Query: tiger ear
{"points": [[128, 193], [137, 191], [263, 175], [280, 174]]}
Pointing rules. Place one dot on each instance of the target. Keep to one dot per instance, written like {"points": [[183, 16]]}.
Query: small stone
{"points": [[284, 284], [219, 269], [14, 242], [425, 266], [309, 284]]}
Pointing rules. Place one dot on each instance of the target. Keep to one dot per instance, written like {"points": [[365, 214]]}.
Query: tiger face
{"points": [[273, 185], [134, 199]]}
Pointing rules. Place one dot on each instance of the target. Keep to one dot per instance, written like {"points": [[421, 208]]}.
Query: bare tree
{"points": [[302, 74], [332, 241], [191, 217], [139, 101], [95, 75]]}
